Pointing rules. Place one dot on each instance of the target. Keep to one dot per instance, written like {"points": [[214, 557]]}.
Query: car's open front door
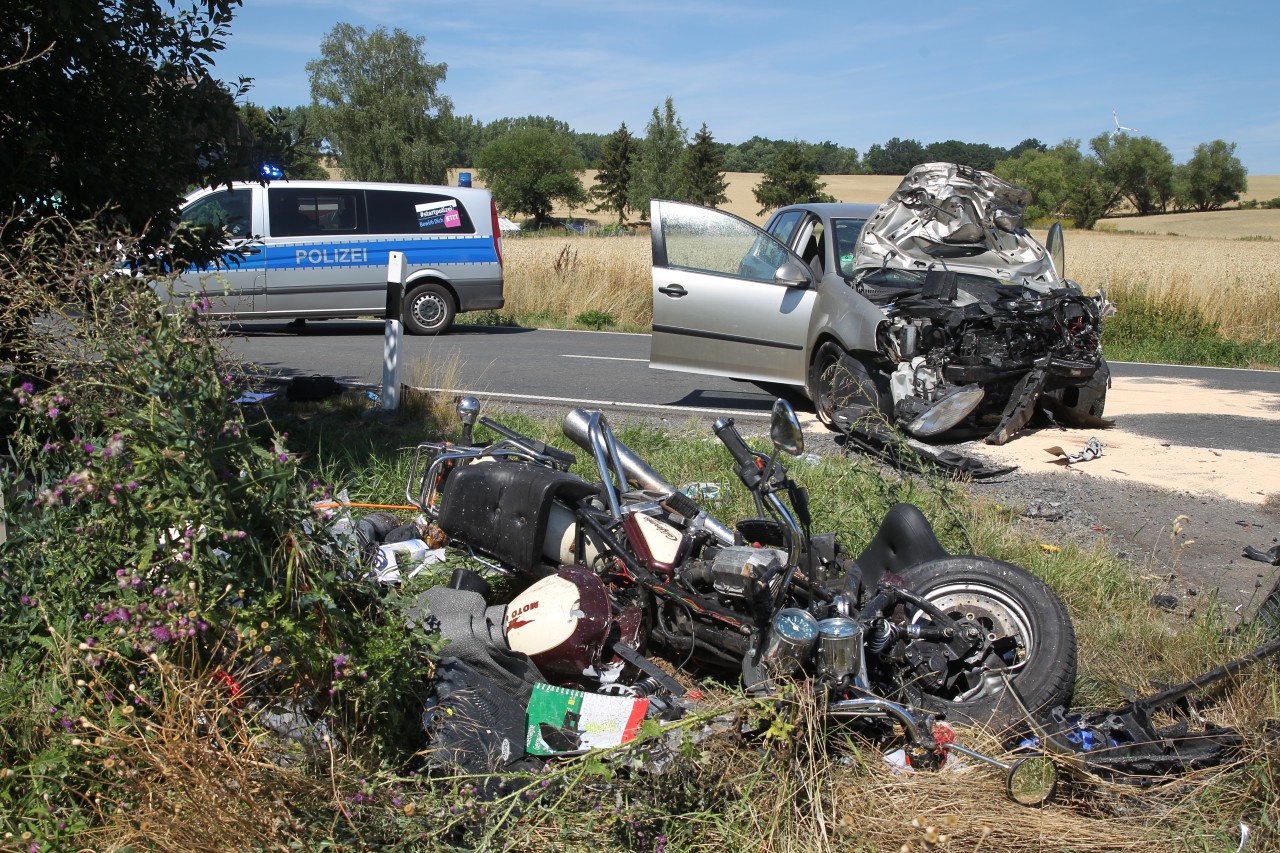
{"points": [[728, 299]]}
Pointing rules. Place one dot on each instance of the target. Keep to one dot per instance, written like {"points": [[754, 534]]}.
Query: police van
{"points": [[318, 250]]}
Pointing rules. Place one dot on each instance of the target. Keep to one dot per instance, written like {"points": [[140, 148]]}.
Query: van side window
{"points": [[310, 213], [398, 212], [229, 208]]}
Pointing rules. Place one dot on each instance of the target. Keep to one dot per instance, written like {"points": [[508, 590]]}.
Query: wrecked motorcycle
{"points": [[628, 566]]}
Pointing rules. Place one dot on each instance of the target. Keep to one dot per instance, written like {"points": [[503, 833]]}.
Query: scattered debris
{"points": [[1165, 602], [311, 389], [1092, 450], [1271, 556], [251, 397], [1125, 745], [1049, 549]]}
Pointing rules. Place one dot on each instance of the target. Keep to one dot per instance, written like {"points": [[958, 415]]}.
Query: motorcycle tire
{"points": [[1013, 605]]}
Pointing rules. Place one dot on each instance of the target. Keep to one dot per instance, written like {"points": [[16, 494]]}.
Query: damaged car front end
{"points": [[979, 326], [936, 312]]}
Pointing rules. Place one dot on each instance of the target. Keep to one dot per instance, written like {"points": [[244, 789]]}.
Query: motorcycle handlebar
{"points": [[732, 440], [540, 447]]}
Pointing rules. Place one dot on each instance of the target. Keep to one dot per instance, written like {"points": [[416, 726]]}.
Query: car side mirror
{"points": [[792, 274], [1056, 249]]}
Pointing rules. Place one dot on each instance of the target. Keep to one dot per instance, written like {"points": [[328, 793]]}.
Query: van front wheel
{"points": [[428, 310]]}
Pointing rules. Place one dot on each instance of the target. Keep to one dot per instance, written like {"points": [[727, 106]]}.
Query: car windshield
{"points": [[846, 231]]}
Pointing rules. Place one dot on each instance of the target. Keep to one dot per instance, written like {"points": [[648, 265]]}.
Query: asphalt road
{"points": [[600, 368], [579, 368]]}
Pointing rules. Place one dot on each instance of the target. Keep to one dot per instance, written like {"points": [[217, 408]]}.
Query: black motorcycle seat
{"points": [[905, 538], [502, 508]]}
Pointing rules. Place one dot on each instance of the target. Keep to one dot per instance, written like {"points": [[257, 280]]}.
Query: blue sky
{"points": [[851, 72]]}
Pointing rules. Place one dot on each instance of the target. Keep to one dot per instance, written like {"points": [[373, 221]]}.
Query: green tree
{"points": [[612, 188], [528, 170], [1141, 167], [656, 173], [895, 157], [1063, 182], [285, 137], [1213, 176], [788, 182], [375, 95], [1045, 175], [702, 170], [754, 155], [108, 112]]}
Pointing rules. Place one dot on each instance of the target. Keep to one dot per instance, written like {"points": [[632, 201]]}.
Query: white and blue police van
{"points": [[318, 250]]}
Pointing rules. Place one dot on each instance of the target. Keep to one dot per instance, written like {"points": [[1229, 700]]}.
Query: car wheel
{"points": [[837, 381], [1094, 393], [428, 310], [1088, 399]]}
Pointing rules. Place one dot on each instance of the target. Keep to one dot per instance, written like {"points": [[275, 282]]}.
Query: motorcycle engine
{"points": [[735, 572]]}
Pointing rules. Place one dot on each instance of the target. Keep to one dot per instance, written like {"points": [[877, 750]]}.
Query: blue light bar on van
{"points": [[271, 172]]}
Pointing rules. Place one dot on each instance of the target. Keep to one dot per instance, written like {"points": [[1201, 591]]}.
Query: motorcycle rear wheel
{"points": [[1021, 614]]}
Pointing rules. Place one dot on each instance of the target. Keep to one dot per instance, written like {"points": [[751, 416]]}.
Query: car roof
{"points": [[835, 210]]}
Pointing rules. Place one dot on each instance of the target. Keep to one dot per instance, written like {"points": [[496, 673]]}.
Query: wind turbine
{"points": [[1119, 126]]}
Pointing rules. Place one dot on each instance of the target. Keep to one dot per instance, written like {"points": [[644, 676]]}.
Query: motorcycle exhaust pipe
{"points": [[576, 428]]}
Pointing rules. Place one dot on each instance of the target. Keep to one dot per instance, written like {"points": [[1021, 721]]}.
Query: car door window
{"points": [[312, 213], [712, 241], [783, 225], [230, 209]]}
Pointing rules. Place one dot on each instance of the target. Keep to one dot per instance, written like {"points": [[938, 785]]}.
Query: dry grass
{"points": [[1233, 284], [1222, 224], [1262, 188], [558, 279]]}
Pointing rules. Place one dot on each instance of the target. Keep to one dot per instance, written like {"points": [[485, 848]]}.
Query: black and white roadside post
{"points": [[393, 334]]}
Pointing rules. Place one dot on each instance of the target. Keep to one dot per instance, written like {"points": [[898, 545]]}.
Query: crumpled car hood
{"points": [[950, 217]]}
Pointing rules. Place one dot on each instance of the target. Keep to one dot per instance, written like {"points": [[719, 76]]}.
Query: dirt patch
{"points": [[1186, 480], [1204, 443]]}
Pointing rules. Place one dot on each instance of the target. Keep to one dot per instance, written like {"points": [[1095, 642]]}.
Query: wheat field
{"points": [[1234, 284]]}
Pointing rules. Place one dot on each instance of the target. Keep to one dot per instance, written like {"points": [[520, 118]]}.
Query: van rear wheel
{"points": [[428, 310]]}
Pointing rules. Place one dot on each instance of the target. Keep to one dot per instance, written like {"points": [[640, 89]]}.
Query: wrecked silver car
{"points": [[937, 311]]}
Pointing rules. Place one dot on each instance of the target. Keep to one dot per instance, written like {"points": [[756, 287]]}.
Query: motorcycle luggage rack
{"points": [[434, 459]]}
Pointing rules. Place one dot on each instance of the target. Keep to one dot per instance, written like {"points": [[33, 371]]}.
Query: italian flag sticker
{"points": [[563, 720]]}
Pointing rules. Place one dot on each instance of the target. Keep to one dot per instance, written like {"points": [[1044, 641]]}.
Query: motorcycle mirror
{"points": [[1032, 781], [784, 429], [1056, 248], [468, 410]]}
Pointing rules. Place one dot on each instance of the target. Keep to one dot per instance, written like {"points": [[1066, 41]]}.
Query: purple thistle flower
{"points": [[161, 634], [27, 387]]}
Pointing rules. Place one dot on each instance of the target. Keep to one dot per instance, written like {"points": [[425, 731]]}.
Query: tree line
{"points": [[145, 102]]}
